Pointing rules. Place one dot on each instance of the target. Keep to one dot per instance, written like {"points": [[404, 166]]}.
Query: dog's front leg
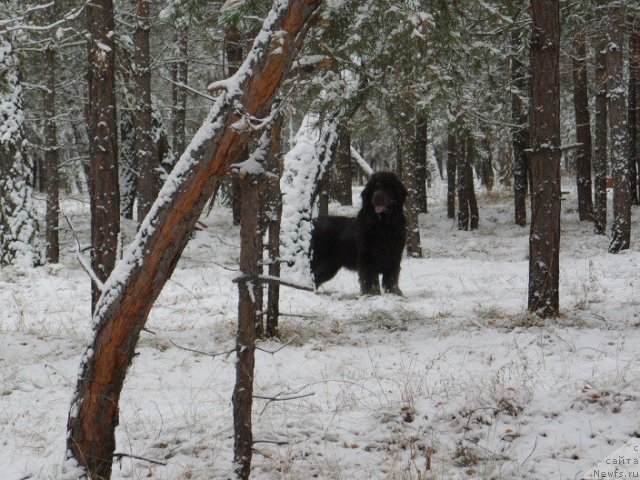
{"points": [[369, 283], [390, 281]]}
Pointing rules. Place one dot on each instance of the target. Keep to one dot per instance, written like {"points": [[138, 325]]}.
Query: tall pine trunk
{"points": [[621, 233], [600, 144], [148, 184], [105, 198], [583, 127], [468, 217], [634, 106], [544, 239], [233, 56], [51, 158]]}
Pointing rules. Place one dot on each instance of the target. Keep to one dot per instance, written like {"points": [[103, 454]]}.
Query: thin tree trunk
{"points": [[274, 166], [463, 210], [233, 54], [452, 160], [123, 308], [127, 162], [51, 158], [250, 250], [519, 135], [634, 106], [583, 128], [468, 217], [148, 184], [105, 199], [421, 160], [341, 185], [179, 94], [544, 239], [617, 108], [600, 144]]}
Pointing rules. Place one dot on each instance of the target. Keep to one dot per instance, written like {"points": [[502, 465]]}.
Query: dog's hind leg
{"points": [[323, 273]]}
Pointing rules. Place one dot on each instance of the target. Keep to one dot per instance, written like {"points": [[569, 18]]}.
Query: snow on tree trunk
{"points": [[19, 243], [127, 163], [151, 257], [421, 171], [304, 168], [617, 109], [544, 237]]}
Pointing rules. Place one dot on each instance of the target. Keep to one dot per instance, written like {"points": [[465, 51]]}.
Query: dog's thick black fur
{"points": [[372, 243]]}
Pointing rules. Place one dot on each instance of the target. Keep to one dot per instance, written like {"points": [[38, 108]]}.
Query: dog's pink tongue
{"points": [[379, 208]]}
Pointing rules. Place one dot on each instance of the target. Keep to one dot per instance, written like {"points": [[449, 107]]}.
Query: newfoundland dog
{"points": [[371, 243]]}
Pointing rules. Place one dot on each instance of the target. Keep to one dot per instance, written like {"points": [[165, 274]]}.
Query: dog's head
{"points": [[384, 194]]}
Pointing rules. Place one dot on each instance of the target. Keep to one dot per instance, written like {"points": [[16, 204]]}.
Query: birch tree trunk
{"points": [[152, 256], [544, 239]]}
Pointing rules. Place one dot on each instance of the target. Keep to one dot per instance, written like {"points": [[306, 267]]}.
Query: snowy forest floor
{"points": [[455, 380]]}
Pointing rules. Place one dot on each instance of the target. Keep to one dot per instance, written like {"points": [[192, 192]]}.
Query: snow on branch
{"points": [[361, 162]]}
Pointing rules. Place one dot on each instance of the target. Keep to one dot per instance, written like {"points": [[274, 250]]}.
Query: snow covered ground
{"points": [[454, 381]]}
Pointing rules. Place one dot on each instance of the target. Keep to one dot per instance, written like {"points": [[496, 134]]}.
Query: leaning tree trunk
{"points": [[634, 105], [544, 239], [583, 128], [452, 160], [152, 256], [520, 133], [621, 233], [148, 184], [105, 199], [51, 157], [179, 72], [600, 144]]}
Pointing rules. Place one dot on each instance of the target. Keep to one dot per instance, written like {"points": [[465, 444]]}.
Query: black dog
{"points": [[371, 243]]}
